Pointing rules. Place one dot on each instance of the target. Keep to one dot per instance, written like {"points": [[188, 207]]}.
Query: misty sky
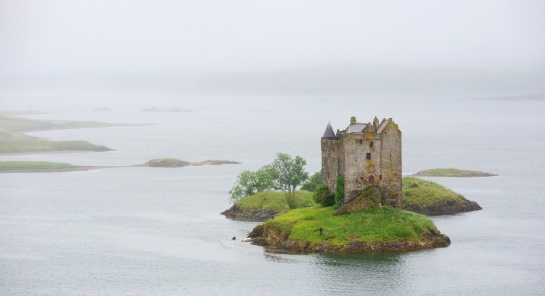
{"points": [[131, 36]]}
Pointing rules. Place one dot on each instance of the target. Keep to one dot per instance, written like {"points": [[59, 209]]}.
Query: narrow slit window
{"points": [[361, 142], [371, 144]]}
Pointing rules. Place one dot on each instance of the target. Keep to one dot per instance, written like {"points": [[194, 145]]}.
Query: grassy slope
{"points": [[372, 225], [421, 192], [273, 200], [12, 139], [30, 165]]}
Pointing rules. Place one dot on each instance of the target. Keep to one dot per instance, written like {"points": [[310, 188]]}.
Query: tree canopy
{"points": [[313, 182], [284, 173]]}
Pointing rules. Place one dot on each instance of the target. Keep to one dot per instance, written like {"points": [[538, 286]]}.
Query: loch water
{"points": [[158, 231]]}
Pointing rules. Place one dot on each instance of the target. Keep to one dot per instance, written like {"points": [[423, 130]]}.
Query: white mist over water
{"points": [[158, 231]]}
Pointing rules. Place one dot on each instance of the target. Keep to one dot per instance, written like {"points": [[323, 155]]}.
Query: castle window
{"points": [[380, 177], [371, 144], [371, 180], [368, 156], [361, 179], [361, 141]]}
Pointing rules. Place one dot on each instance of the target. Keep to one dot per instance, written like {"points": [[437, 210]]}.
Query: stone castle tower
{"points": [[365, 154]]}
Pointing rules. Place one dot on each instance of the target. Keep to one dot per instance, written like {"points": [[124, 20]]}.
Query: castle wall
{"points": [[358, 170], [391, 165], [330, 162]]}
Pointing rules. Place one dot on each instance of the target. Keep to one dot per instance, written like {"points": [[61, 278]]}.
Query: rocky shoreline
{"points": [[254, 215], [444, 208], [274, 239]]}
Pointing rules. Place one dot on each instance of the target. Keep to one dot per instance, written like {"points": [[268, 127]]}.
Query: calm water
{"points": [[153, 231]]}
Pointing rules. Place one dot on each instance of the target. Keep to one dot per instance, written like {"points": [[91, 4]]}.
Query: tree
{"points": [[339, 189], [315, 180], [249, 183], [288, 173]]}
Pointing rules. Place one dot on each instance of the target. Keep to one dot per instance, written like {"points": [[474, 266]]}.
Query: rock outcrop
{"points": [[257, 215], [449, 207]]}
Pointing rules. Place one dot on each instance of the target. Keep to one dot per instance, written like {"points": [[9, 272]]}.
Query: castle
{"points": [[365, 154]]}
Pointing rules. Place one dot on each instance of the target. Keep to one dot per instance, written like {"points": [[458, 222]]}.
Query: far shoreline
{"points": [[77, 168]]}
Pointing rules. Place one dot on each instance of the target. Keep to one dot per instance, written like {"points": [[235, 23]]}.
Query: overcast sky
{"points": [[130, 36]]}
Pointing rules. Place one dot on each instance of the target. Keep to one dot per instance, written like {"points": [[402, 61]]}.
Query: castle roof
{"points": [[356, 127], [383, 125], [329, 132]]}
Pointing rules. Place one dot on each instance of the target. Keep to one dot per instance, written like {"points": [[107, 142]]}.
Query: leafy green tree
{"points": [[339, 189], [288, 173], [264, 179], [315, 180], [249, 183]]}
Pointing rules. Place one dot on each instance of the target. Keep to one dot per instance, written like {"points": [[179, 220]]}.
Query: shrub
{"points": [[323, 196], [339, 190]]}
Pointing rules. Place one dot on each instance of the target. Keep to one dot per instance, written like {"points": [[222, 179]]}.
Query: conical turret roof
{"points": [[329, 131]]}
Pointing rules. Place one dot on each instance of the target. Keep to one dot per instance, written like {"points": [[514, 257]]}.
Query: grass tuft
{"points": [[421, 192]]}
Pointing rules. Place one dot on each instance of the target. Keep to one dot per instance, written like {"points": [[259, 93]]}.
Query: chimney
{"points": [[352, 119]]}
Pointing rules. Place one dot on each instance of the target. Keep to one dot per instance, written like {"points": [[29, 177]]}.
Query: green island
{"points": [[167, 163], [419, 196], [33, 165], [450, 172], [430, 198], [384, 229], [266, 205], [13, 139]]}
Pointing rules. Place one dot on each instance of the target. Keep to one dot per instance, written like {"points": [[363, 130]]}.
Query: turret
{"points": [[375, 123], [329, 134]]}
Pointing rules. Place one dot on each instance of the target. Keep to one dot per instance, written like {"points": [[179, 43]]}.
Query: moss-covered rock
{"points": [[370, 197]]}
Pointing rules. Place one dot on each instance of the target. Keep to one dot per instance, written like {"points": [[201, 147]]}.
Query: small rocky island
{"points": [[359, 198], [316, 230], [429, 198], [450, 172]]}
